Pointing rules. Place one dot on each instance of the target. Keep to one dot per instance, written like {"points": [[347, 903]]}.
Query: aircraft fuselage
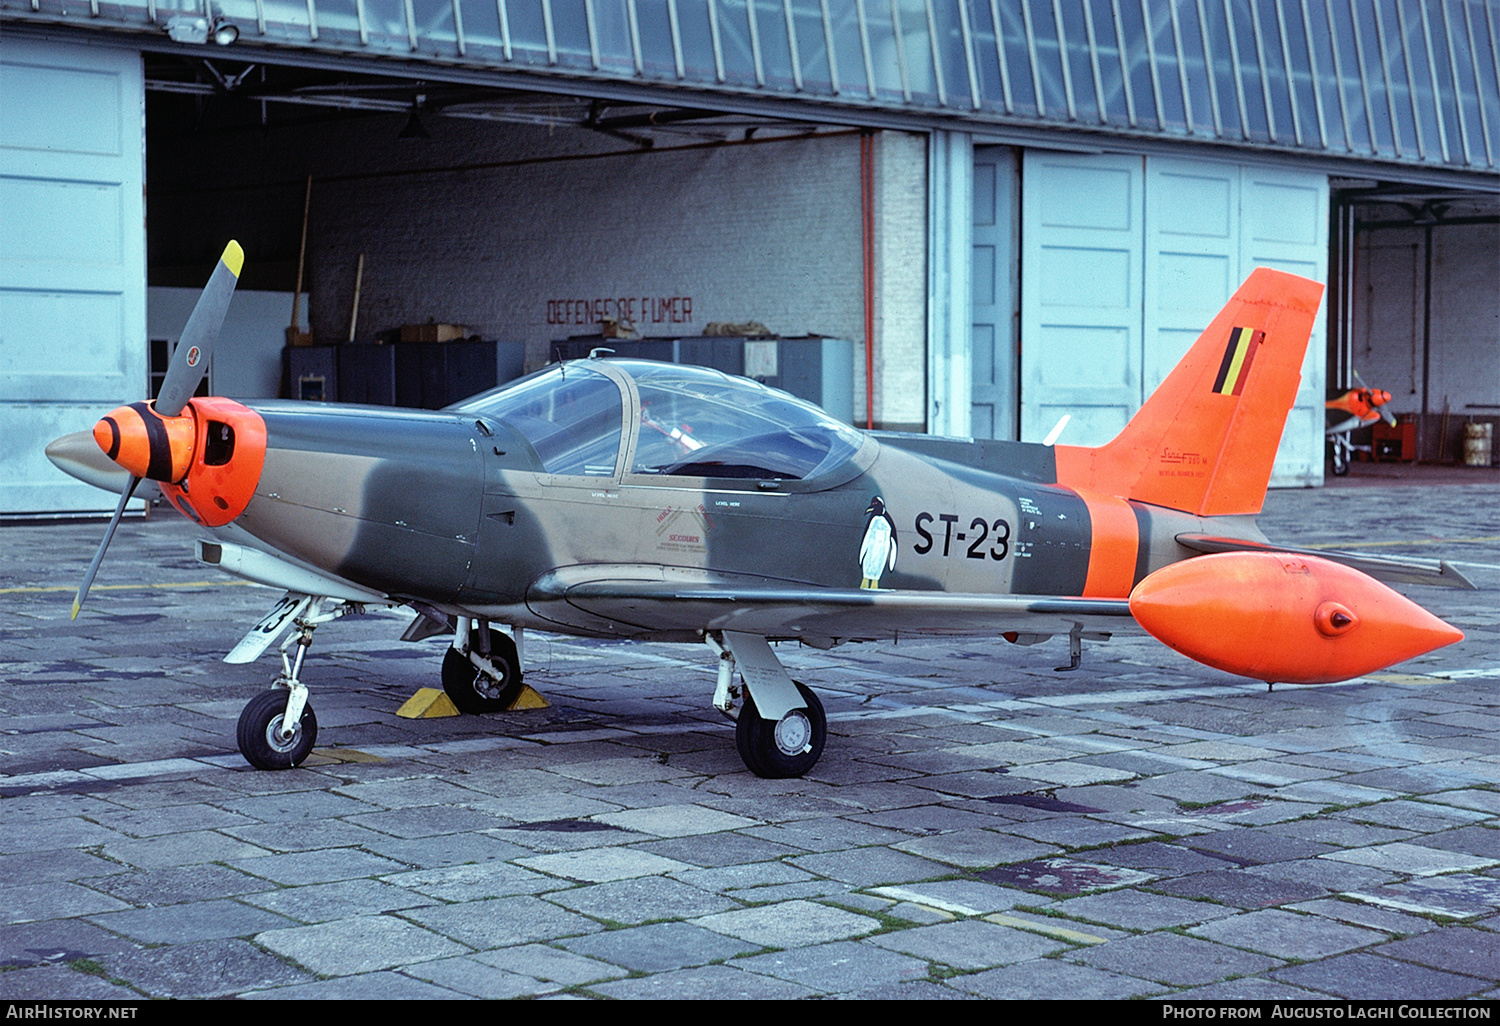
{"points": [[454, 511]]}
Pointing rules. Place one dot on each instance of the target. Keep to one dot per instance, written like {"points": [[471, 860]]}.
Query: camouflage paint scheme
{"points": [[453, 510]]}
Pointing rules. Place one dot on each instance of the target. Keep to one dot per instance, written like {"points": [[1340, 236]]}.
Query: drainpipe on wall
{"points": [[867, 216], [1426, 343]]}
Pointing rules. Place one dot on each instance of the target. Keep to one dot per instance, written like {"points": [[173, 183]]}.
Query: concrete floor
{"points": [[979, 826]]}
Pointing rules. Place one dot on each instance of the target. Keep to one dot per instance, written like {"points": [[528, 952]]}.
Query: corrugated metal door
{"points": [[72, 258], [1081, 274], [1208, 225], [1192, 256], [1126, 259], [1285, 225]]}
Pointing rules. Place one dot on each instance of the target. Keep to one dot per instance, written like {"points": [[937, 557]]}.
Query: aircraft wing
{"points": [[1438, 573], [780, 610]]}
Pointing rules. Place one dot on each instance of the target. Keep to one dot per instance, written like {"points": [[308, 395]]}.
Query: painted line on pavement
{"points": [[125, 587], [1478, 540]]}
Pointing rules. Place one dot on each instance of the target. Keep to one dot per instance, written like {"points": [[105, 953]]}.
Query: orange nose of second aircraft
{"points": [[147, 444]]}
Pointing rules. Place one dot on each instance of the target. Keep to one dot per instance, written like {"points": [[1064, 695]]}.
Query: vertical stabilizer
{"points": [[1205, 441]]}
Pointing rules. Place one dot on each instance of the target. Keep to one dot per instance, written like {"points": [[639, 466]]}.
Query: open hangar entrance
{"points": [[1415, 309], [527, 218]]}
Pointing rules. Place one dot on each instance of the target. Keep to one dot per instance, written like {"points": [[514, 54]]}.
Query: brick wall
{"points": [[558, 230], [901, 284], [532, 232]]}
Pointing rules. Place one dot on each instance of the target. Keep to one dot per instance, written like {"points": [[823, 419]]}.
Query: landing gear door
{"points": [[774, 691]]}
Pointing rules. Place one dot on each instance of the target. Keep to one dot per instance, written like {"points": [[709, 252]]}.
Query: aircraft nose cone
{"points": [[78, 455], [122, 436]]}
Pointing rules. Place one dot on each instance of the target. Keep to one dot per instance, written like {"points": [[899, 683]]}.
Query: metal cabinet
{"points": [[820, 370], [425, 375]]}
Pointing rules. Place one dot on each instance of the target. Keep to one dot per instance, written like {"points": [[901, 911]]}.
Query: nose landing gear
{"points": [[263, 739], [277, 728]]}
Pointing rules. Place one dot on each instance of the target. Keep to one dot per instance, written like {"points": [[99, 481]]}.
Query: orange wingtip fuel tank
{"points": [[1283, 618]]}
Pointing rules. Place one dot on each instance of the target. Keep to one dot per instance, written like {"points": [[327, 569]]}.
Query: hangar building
{"points": [[1012, 209]]}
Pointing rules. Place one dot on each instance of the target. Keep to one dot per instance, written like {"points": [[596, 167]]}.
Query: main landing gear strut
{"points": [[780, 727], [482, 670]]}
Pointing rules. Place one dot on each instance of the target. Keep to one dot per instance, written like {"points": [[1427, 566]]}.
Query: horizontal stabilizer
{"points": [[1388, 569]]}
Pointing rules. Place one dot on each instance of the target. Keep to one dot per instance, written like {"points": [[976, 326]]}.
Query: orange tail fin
{"points": [[1205, 441]]}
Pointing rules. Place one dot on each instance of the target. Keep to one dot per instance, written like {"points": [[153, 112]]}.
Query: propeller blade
{"points": [[114, 522], [190, 361]]}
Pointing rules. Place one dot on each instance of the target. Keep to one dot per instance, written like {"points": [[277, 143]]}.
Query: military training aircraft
{"points": [[633, 499]]}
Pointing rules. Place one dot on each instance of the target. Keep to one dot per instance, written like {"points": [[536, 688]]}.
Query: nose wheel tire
{"points": [[789, 747], [1340, 460], [260, 737], [475, 691]]}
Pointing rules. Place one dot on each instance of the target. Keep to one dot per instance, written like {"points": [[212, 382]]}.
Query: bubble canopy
{"points": [[686, 421]]}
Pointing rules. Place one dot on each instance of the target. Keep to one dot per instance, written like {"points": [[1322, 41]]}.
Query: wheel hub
{"points": [[277, 738], [488, 687], [794, 733]]}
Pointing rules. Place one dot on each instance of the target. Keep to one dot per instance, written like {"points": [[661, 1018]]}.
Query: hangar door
{"points": [[993, 294], [72, 258], [1125, 259]]}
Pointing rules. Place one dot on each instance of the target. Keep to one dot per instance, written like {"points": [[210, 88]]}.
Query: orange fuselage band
{"points": [[1114, 545]]}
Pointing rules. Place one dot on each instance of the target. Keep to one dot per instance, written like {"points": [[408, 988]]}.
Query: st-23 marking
{"points": [[988, 539]]}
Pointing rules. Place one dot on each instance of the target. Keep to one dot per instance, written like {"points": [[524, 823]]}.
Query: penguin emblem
{"points": [[877, 553]]}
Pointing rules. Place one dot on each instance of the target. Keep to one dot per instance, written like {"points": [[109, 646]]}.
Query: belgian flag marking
{"points": [[1239, 354]]}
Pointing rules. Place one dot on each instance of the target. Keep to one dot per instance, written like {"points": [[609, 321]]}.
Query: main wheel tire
{"points": [[475, 691], [788, 748], [259, 735]]}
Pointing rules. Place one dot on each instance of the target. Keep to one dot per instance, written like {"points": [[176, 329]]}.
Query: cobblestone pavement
{"points": [[980, 825]]}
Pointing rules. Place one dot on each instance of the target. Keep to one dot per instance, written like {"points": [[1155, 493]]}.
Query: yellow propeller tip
{"points": [[233, 258], [75, 610]]}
